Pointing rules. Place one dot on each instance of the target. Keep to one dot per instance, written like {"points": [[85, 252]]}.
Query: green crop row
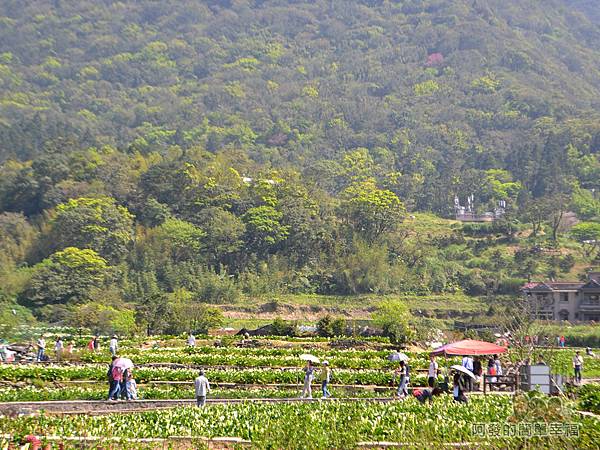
{"points": [[243, 359], [329, 424], [224, 375], [32, 393]]}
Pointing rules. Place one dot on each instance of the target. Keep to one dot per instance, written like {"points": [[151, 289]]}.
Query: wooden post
{"points": [[484, 383]]}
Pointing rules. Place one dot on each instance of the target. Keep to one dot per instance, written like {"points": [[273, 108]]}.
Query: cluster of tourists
{"points": [[465, 378], [121, 383], [323, 376], [60, 350]]}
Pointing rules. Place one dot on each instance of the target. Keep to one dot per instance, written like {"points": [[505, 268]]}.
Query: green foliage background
{"points": [[209, 150]]}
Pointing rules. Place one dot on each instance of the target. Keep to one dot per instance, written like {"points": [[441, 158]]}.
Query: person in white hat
{"points": [[325, 378], [114, 345]]}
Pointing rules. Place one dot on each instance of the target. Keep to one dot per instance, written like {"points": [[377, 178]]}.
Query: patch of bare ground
{"points": [[271, 310]]}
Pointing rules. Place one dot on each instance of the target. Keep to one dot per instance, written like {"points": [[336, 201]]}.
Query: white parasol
{"points": [[398, 356], [464, 370], [123, 363], [311, 358]]}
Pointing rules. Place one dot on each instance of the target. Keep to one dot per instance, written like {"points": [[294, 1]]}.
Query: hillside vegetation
{"points": [[157, 157]]}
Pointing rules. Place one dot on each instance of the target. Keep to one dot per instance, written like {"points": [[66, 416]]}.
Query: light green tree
{"points": [[392, 316], [66, 277], [94, 223], [371, 211]]}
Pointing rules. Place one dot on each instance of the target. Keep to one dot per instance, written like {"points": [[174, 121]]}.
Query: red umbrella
{"points": [[469, 347]]}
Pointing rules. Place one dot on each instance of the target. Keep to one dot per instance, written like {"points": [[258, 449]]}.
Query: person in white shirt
{"points": [[467, 363], [58, 348], [113, 345], [432, 373], [202, 389], [577, 366], [41, 345], [497, 365], [191, 340]]}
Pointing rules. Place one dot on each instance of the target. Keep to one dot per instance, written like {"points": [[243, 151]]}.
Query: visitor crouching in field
{"points": [[426, 394], [202, 389]]}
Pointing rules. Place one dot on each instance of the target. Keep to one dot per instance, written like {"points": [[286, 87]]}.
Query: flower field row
{"points": [[226, 358], [224, 375], [329, 424], [98, 391]]}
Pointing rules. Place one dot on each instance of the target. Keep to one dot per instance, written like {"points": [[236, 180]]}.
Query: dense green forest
{"points": [[156, 156]]}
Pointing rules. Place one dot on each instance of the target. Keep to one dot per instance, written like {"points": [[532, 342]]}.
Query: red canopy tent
{"points": [[469, 347]]}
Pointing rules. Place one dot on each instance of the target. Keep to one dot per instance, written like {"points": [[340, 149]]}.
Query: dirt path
{"points": [[105, 407]]}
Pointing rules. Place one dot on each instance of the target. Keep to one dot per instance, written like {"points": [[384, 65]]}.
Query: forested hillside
{"points": [[162, 153]]}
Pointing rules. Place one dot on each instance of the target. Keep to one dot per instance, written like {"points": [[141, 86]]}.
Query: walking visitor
{"points": [[309, 373], [497, 365], [113, 346], [115, 376], [124, 393], [191, 340], [402, 372], [458, 388], [325, 378], [577, 366], [467, 363], [92, 344], [58, 348], [432, 373], [41, 346], [202, 387], [477, 371], [491, 371]]}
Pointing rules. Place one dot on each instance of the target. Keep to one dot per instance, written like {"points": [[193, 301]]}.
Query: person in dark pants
{"points": [[577, 366], [477, 370], [113, 385], [202, 388], [432, 372], [123, 388], [459, 388]]}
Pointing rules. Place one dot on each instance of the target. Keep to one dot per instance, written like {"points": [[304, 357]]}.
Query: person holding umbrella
{"points": [[459, 383], [402, 372], [120, 367], [309, 373], [115, 376]]}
